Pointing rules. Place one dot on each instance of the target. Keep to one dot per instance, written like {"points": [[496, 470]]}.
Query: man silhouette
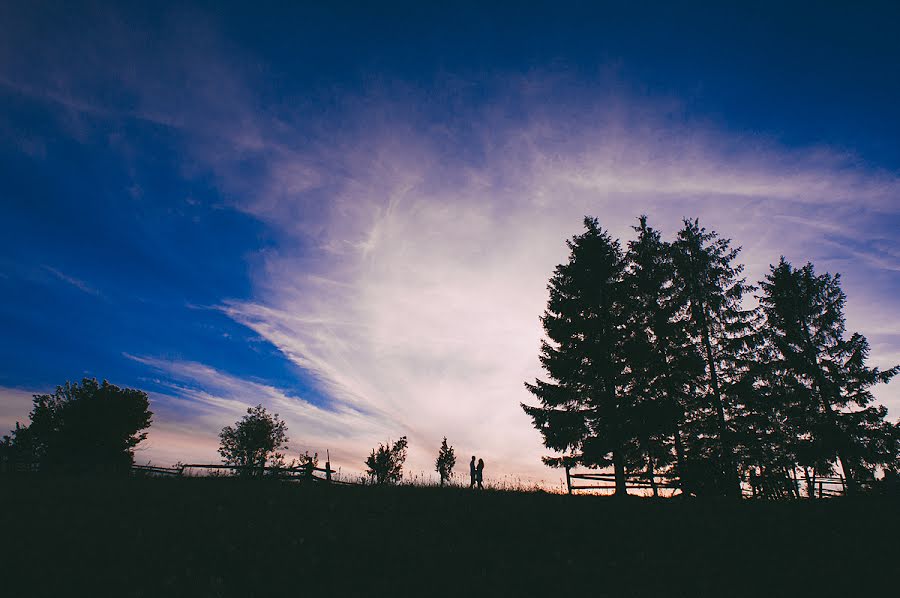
{"points": [[472, 472]]}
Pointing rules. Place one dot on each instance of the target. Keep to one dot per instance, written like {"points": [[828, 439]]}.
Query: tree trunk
{"points": [[822, 386], [651, 473], [680, 458], [794, 484], [730, 482], [846, 466], [619, 464], [679, 446], [848, 474], [810, 483]]}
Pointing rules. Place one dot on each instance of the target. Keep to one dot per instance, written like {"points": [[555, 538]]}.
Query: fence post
{"points": [[568, 480], [327, 466]]}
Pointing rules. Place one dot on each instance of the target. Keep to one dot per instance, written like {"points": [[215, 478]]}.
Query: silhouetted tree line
{"points": [[94, 427], [655, 364]]}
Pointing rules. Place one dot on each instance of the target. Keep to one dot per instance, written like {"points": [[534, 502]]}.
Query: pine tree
{"points": [[663, 364], [445, 462], [584, 410], [823, 374], [768, 430], [709, 285]]}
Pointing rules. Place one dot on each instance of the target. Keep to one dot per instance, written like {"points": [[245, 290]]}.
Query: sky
{"points": [[349, 213]]}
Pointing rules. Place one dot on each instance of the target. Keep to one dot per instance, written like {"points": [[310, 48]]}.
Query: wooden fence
{"points": [[793, 487], [298, 473], [153, 470], [607, 481]]}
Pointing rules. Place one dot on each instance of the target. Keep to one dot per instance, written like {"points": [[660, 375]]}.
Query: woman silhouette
{"points": [[479, 473]]}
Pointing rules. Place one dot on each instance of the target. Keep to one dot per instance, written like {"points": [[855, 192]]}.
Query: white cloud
{"points": [[420, 299]]}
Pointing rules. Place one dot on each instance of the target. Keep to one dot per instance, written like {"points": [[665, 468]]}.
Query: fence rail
{"points": [[288, 472], [641, 481], [158, 470], [788, 487]]}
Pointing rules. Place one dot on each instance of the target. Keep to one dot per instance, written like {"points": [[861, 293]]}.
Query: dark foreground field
{"points": [[224, 537]]}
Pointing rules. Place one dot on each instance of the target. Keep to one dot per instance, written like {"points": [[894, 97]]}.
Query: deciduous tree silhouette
{"points": [[88, 426], [385, 464], [258, 438], [445, 462]]}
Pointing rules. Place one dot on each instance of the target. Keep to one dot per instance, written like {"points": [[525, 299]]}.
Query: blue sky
{"points": [[350, 213]]}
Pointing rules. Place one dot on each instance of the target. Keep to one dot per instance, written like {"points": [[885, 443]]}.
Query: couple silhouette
{"points": [[476, 472]]}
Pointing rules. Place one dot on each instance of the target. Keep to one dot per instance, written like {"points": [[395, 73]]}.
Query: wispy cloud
{"points": [[75, 282]]}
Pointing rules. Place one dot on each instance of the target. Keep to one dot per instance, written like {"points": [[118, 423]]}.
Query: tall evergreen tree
{"points": [[584, 410], [663, 363], [768, 435], [824, 375], [708, 283]]}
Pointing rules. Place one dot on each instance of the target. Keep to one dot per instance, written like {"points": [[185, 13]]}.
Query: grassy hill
{"points": [[227, 537]]}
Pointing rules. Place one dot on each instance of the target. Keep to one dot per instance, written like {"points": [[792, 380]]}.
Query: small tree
{"points": [[385, 464], [91, 425], [259, 437], [446, 460]]}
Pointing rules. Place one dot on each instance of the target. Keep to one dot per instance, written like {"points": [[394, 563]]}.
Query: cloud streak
{"points": [[75, 282]]}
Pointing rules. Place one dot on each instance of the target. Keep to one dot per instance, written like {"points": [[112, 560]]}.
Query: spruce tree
{"points": [[663, 364], [708, 283], [824, 375], [584, 410], [768, 431]]}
